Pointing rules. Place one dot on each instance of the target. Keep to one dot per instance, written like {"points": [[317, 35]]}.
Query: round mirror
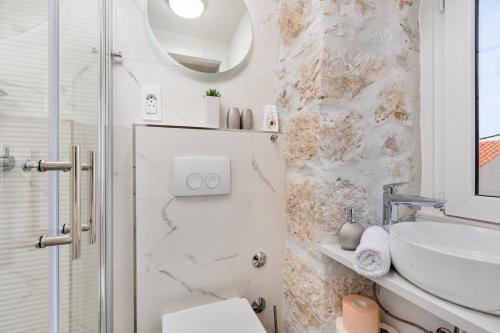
{"points": [[209, 36]]}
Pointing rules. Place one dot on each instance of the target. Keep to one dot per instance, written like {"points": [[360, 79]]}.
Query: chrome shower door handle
{"points": [[76, 207], [91, 225], [92, 197], [74, 238]]}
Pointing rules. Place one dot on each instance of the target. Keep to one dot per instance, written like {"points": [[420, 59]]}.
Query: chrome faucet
{"points": [[392, 198]]}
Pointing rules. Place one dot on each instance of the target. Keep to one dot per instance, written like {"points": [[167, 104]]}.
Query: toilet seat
{"points": [[229, 316]]}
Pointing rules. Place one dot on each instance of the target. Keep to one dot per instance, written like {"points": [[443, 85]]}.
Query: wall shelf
{"points": [[208, 128], [469, 320]]}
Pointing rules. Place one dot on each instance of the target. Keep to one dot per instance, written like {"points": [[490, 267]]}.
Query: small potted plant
{"points": [[211, 109]]}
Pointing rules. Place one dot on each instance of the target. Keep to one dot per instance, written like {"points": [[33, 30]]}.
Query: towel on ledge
{"points": [[372, 258]]}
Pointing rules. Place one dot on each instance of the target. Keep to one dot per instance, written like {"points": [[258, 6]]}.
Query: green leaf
{"points": [[213, 92]]}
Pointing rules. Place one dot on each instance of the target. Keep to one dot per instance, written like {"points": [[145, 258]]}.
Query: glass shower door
{"points": [[79, 114], [49, 103]]}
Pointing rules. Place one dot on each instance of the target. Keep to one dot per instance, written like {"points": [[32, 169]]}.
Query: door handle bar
{"points": [[74, 238], [92, 221], [92, 197]]}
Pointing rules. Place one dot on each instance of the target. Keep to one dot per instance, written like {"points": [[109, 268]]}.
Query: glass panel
{"points": [[24, 287], [79, 106], [488, 98], [24, 130]]}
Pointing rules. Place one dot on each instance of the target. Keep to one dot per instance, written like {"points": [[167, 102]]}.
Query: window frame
{"points": [[448, 109]]}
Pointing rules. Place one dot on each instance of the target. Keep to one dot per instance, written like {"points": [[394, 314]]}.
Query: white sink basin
{"points": [[456, 262]]}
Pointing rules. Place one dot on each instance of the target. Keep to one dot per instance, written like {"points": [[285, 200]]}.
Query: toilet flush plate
{"points": [[202, 175]]}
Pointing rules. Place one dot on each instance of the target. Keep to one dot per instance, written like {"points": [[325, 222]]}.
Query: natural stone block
{"points": [[365, 7], [305, 292], [348, 7], [302, 137], [337, 75], [341, 138], [309, 79], [393, 104], [347, 73], [304, 215], [292, 19], [405, 3]]}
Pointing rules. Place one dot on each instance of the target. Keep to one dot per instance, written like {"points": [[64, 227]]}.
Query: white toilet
{"points": [[230, 316]]}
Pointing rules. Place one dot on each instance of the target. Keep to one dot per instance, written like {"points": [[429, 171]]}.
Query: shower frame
{"points": [[104, 158]]}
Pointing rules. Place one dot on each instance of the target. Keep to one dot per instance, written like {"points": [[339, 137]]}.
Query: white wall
{"points": [[252, 87]]}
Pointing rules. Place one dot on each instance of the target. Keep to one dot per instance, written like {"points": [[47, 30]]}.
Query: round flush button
{"points": [[194, 181], [212, 181]]}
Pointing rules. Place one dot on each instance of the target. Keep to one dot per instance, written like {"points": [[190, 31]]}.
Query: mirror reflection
{"points": [[209, 36]]}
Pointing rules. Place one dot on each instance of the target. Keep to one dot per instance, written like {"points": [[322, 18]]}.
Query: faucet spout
{"points": [[415, 200], [392, 198]]}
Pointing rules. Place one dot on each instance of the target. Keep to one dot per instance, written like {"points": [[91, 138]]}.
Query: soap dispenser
{"points": [[350, 233]]}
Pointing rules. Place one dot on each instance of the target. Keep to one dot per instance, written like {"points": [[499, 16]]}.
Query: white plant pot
{"points": [[210, 115]]}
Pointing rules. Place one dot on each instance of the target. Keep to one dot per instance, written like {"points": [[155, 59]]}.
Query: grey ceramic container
{"points": [[350, 233], [233, 119], [247, 119]]}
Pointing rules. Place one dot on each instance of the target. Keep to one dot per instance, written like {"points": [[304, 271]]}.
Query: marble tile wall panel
{"points": [[197, 250]]}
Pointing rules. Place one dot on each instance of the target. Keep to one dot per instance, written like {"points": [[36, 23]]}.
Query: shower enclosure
{"points": [[54, 66]]}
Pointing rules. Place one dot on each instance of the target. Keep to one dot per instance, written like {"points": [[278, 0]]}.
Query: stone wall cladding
{"points": [[347, 92]]}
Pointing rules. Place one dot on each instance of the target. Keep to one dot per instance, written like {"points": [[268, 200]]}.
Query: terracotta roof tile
{"points": [[488, 150]]}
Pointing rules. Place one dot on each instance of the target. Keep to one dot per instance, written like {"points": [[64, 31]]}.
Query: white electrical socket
{"points": [[151, 103]]}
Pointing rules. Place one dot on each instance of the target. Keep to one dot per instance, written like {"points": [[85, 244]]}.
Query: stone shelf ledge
{"points": [[469, 320]]}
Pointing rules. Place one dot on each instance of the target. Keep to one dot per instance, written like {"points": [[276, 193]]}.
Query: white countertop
{"points": [[469, 320]]}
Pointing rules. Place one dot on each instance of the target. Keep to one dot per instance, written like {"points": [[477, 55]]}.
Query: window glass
{"points": [[488, 98]]}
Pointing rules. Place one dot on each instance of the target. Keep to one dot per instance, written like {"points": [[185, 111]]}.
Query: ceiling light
{"points": [[189, 9]]}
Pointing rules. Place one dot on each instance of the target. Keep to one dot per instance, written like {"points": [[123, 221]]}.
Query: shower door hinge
{"points": [[442, 5]]}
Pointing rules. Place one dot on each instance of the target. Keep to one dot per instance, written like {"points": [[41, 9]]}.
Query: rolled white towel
{"points": [[372, 258]]}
